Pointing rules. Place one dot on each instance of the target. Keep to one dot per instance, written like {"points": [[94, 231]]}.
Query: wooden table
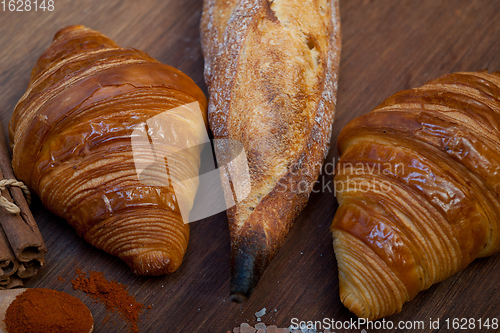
{"points": [[388, 45]]}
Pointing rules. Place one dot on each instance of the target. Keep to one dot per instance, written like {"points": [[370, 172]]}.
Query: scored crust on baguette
{"points": [[271, 68]]}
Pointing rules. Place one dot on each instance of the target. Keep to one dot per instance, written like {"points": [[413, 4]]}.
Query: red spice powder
{"points": [[113, 294], [47, 311]]}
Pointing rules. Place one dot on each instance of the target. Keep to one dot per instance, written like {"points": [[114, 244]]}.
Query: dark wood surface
{"points": [[388, 45]]}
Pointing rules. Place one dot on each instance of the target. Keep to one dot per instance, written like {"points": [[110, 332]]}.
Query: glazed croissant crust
{"points": [[418, 189], [72, 132]]}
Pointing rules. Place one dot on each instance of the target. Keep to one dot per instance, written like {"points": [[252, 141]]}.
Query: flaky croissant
{"points": [[418, 189], [72, 136], [271, 68]]}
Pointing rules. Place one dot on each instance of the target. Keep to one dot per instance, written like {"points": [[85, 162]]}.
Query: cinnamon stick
{"points": [[8, 262], [14, 282], [9, 267], [21, 244], [4, 280], [21, 229], [30, 268]]}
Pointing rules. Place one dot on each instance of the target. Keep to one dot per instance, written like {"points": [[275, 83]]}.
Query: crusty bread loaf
{"points": [[271, 68]]}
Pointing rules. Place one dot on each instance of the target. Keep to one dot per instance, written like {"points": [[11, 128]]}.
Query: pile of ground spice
{"points": [[47, 311], [112, 294]]}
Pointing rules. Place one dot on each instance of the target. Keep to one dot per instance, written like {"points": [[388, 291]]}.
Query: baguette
{"points": [[271, 68]]}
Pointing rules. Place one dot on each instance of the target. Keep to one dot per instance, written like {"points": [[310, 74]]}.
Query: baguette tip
{"points": [[238, 298], [245, 271]]}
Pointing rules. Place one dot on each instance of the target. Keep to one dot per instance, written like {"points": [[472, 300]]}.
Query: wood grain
{"points": [[388, 45]]}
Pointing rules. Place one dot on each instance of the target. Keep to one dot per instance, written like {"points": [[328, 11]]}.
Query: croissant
{"points": [[418, 190], [271, 68], [81, 136]]}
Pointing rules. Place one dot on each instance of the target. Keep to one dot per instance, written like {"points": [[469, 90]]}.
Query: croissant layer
{"points": [[418, 191], [72, 136]]}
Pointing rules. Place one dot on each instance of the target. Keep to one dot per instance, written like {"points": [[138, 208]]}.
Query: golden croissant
{"points": [[418, 189], [71, 133], [271, 68]]}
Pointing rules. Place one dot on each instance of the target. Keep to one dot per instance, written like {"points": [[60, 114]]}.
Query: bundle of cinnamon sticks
{"points": [[22, 248]]}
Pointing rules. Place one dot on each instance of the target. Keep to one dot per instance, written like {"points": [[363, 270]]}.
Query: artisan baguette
{"points": [[271, 68]]}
